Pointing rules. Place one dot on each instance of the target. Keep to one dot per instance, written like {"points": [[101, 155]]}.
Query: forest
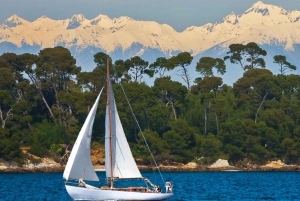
{"points": [[45, 98]]}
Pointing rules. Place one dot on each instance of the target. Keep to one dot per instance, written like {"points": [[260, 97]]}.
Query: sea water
{"points": [[189, 186]]}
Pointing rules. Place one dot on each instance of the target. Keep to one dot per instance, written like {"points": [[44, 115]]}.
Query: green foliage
{"points": [[161, 65], [183, 60], [137, 67], [206, 65], [248, 56], [211, 147], [45, 135], [284, 65], [257, 119], [235, 153]]}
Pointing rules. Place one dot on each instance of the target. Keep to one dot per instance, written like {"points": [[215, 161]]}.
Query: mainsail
{"points": [[123, 163], [79, 164]]}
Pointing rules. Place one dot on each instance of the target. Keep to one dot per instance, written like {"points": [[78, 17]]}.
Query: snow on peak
{"points": [[294, 16], [125, 18], [191, 28], [265, 9], [259, 4], [43, 17], [231, 18], [76, 21], [209, 27], [101, 20], [14, 21], [261, 23]]}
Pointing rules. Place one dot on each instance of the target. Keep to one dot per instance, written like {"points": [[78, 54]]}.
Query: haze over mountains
{"points": [[275, 29]]}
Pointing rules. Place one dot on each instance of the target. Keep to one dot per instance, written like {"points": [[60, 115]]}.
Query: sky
{"points": [[179, 14]]}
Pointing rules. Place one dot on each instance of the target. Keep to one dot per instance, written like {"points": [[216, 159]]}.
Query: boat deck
{"points": [[129, 189]]}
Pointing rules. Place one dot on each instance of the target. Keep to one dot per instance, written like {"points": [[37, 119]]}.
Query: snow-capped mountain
{"points": [[272, 27]]}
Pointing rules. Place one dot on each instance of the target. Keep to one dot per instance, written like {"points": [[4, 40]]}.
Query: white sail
{"points": [[79, 164], [123, 163]]}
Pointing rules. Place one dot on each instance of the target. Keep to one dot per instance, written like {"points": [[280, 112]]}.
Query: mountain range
{"points": [[275, 29]]}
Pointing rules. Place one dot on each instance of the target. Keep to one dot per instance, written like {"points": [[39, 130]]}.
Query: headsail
{"points": [[79, 164], [124, 165]]}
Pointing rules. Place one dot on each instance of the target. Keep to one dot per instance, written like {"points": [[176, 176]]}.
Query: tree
{"points": [[155, 143], [141, 97], [210, 84], [137, 67], [161, 65], [100, 59], [254, 87], [180, 140], [170, 91], [12, 61], [248, 56], [211, 147], [5, 107], [29, 61], [206, 65], [183, 60], [121, 71], [289, 84], [284, 65], [56, 66]]}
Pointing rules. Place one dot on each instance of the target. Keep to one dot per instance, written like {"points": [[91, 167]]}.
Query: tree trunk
{"points": [[41, 94], [173, 109], [187, 80], [260, 106], [135, 132], [49, 109], [146, 118], [205, 121], [167, 120], [30, 127], [8, 114], [57, 102], [217, 122]]}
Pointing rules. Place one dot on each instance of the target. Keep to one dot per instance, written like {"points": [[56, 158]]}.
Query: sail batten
{"points": [[124, 165], [79, 163]]}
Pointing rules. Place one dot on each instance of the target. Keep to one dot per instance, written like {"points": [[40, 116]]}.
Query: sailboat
{"points": [[119, 162]]}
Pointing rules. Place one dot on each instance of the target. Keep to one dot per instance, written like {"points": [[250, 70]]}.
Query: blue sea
{"points": [[189, 186]]}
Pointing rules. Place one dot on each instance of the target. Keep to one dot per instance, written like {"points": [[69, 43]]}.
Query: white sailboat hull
{"points": [[79, 193]]}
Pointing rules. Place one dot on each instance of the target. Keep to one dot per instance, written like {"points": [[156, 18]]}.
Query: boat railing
{"points": [[72, 182]]}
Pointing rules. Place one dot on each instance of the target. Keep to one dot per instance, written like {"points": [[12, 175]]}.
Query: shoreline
{"points": [[166, 168]]}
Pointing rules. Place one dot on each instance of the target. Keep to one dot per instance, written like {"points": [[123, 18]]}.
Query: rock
{"points": [[31, 166], [5, 165], [191, 165], [220, 163], [274, 164]]}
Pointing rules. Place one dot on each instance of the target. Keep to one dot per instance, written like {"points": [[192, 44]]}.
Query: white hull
{"points": [[79, 193]]}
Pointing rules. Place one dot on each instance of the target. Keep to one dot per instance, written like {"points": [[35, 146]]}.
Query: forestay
{"points": [[124, 165], [79, 164]]}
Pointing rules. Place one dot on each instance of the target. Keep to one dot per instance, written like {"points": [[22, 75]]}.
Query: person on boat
{"points": [[81, 183], [157, 189], [169, 187]]}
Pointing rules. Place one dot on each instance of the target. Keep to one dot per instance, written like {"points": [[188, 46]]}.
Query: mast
{"points": [[109, 126]]}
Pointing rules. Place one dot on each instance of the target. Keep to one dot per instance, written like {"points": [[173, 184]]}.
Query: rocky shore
{"points": [[48, 165]]}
